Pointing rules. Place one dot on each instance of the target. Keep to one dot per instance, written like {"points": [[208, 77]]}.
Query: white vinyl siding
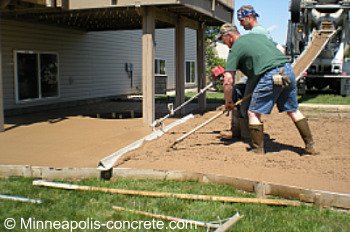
{"points": [[191, 51], [165, 48], [91, 64]]}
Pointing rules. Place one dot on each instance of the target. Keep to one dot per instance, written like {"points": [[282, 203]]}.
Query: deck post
{"points": [[201, 74], [148, 79], [180, 63]]}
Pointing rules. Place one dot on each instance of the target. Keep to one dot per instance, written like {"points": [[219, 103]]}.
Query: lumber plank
{"points": [[226, 199]]}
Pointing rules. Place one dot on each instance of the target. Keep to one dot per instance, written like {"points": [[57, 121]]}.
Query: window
{"points": [[190, 72], [159, 67], [36, 75]]}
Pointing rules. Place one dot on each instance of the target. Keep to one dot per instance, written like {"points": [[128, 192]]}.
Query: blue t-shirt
{"points": [[258, 29]]}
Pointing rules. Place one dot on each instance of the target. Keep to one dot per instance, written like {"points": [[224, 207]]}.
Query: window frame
{"points": [[195, 72], [155, 71], [16, 79]]}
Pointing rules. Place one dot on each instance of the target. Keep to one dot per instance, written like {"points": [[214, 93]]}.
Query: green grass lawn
{"points": [[61, 205], [211, 96], [328, 99]]}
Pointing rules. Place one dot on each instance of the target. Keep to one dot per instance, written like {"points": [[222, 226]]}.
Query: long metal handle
{"points": [[189, 100], [197, 128], [208, 121], [159, 121]]}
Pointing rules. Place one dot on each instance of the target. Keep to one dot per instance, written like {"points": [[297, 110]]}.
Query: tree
{"points": [[211, 56]]}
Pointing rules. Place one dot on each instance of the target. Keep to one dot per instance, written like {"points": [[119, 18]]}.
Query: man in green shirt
{"points": [[247, 17], [270, 80]]}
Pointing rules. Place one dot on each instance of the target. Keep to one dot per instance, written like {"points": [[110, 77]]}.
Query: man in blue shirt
{"points": [[247, 17]]}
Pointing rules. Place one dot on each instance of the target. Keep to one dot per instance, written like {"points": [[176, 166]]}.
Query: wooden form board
{"points": [[317, 197]]}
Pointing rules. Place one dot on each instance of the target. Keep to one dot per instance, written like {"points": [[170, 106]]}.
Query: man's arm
{"points": [[229, 81]]}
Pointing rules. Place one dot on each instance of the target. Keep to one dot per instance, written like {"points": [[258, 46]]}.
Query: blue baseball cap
{"points": [[245, 11]]}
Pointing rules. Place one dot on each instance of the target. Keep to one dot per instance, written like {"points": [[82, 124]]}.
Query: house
{"points": [[222, 50], [58, 51]]}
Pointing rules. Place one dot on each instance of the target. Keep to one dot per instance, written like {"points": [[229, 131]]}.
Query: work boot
{"points": [[304, 130], [257, 138], [235, 131], [235, 124], [244, 126]]}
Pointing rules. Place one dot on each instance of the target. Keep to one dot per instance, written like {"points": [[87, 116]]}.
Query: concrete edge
{"points": [[325, 111], [262, 189], [341, 108], [47, 172]]}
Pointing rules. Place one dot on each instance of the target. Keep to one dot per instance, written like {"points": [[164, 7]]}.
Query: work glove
{"points": [[280, 79], [286, 81]]}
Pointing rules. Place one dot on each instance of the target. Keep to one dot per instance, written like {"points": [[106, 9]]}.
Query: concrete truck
{"points": [[318, 39]]}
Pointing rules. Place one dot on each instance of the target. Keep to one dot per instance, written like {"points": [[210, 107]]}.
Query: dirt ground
{"points": [[74, 141], [283, 163]]}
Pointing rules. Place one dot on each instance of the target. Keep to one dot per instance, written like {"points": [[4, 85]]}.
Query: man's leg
{"points": [[235, 130], [256, 129], [243, 119], [287, 102], [303, 127], [262, 101]]}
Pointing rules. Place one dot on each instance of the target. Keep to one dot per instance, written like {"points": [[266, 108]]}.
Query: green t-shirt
{"points": [[254, 54]]}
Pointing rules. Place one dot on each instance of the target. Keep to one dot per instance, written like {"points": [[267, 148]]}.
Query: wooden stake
{"points": [[168, 218], [162, 194]]}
